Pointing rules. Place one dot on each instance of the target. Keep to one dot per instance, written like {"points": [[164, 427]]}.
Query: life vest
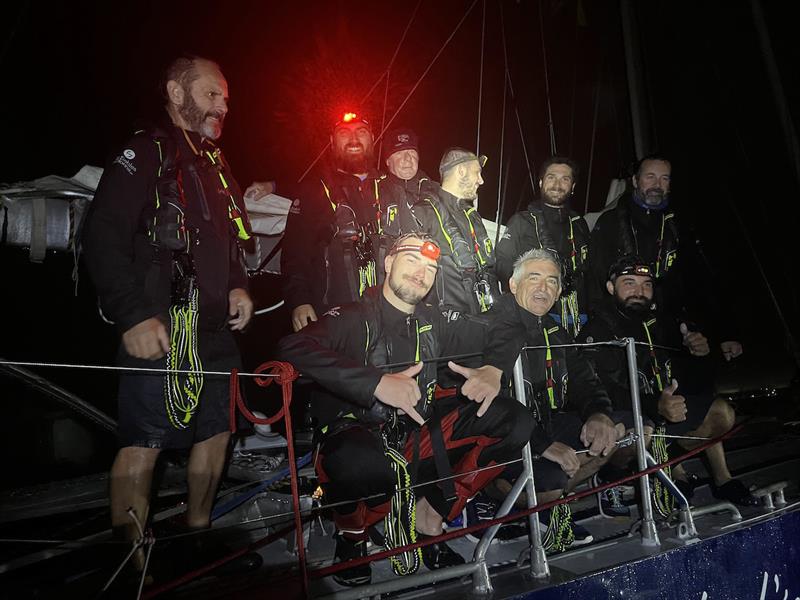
{"points": [[666, 243], [379, 352]]}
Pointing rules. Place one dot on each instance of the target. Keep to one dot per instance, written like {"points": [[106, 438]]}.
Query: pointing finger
{"points": [[484, 407], [465, 371], [412, 412]]}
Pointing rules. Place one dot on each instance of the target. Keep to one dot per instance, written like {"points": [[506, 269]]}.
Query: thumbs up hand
{"points": [[672, 406], [400, 390], [695, 341]]}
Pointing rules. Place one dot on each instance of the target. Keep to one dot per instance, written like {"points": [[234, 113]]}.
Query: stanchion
{"points": [[481, 583], [649, 531]]}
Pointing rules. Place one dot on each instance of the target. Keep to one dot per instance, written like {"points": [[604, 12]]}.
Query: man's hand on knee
{"points": [[302, 315], [564, 456], [147, 340]]}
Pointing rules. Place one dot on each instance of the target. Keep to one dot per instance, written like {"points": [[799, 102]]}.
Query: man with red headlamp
{"points": [[380, 427], [328, 253]]}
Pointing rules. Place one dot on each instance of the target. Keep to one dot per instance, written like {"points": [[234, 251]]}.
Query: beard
{"points": [[407, 292], [652, 196], [197, 119], [467, 188], [554, 200], [353, 163], [634, 306]]}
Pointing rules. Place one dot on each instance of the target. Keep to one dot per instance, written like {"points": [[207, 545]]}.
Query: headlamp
{"points": [[349, 118], [428, 249], [634, 270], [630, 264]]}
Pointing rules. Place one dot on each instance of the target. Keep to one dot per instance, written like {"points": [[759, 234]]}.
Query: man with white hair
{"points": [[566, 396]]}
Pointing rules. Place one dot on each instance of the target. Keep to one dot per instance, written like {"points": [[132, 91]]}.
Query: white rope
{"points": [[131, 369], [269, 308], [137, 543], [618, 343]]}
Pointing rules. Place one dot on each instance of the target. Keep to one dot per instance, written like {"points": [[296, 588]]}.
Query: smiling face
{"points": [[632, 293], [652, 181], [352, 145], [557, 184], [537, 287], [203, 103], [403, 164], [409, 277]]}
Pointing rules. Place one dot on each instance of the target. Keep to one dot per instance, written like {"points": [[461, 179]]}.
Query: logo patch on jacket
{"points": [[333, 312], [295, 207], [124, 161]]}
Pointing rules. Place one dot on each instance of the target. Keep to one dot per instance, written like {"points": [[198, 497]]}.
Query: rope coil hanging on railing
{"points": [[283, 373]]}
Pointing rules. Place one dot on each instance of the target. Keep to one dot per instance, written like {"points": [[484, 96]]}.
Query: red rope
{"points": [[317, 573], [286, 374]]}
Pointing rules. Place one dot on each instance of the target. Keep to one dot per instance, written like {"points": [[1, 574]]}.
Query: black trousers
{"points": [[352, 464]]}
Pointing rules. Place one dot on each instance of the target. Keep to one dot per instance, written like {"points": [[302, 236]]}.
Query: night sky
{"points": [[79, 74]]}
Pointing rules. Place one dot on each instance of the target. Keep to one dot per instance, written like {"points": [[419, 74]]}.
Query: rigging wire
{"points": [[480, 81], [428, 68], [389, 68], [385, 73], [550, 125], [500, 196], [591, 147], [513, 99]]}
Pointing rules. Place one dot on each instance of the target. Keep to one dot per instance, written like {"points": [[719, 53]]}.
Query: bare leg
{"points": [[429, 521], [719, 419], [206, 461], [624, 456], [131, 482], [589, 466], [549, 496]]}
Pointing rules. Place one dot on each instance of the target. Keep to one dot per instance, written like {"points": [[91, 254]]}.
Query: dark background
{"points": [[78, 74]]}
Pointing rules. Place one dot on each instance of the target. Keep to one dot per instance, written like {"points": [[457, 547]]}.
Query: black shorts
{"points": [[143, 419]]}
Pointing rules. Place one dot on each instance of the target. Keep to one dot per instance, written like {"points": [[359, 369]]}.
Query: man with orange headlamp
{"points": [[380, 426]]}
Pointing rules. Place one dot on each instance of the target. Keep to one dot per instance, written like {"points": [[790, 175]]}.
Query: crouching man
{"points": [[683, 406], [381, 428], [572, 410]]}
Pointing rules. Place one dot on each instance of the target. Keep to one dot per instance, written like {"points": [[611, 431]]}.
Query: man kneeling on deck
{"points": [[564, 394], [688, 409], [381, 430]]}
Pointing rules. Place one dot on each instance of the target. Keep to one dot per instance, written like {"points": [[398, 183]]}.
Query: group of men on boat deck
{"points": [[409, 320]]}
